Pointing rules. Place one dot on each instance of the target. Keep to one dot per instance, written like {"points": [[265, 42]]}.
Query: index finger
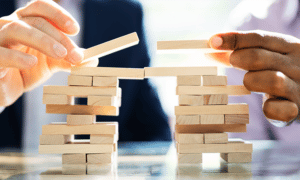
{"points": [[253, 39]]}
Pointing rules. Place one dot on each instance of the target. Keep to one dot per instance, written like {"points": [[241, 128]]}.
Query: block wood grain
{"points": [[212, 119], [237, 157], [97, 128], [214, 80], [212, 109], [100, 158], [201, 90], [190, 100], [189, 158], [111, 46], [188, 119], [105, 81], [104, 101], [76, 148], [210, 128], [179, 71], [80, 91], [74, 169], [74, 120], [79, 158], [103, 138], [80, 80], [215, 99], [188, 80], [215, 138], [121, 73], [213, 148], [236, 118], [187, 138], [82, 110], [56, 139], [183, 44], [57, 99]]}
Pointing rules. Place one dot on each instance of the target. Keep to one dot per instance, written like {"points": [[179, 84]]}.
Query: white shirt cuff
{"points": [[1, 109]]}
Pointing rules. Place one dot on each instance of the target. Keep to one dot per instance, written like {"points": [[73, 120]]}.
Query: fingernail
{"points": [[72, 26], [216, 42], [76, 56], [60, 50], [31, 60]]}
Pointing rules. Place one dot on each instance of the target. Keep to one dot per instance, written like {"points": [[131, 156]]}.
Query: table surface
{"points": [[157, 160]]}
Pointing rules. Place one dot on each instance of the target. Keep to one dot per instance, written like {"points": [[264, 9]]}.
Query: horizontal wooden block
{"points": [[188, 80], [73, 120], [80, 80], [97, 128], [80, 91], [82, 109], [213, 148], [183, 44], [238, 157], [188, 119], [104, 101], [103, 138], [186, 138], [180, 71], [58, 99], [111, 46], [105, 170], [74, 158], [213, 109], [212, 119], [214, 80], [55, 139], [210, 128], [215, 138], [189, 158], [74, 169], [236, 118], [202, 90], [105, 81], [190, 100], [121, 73], [215, 99], [76, 148], [99, 158]]}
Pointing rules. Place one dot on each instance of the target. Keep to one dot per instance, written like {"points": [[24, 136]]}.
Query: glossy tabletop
{"points": [[157, 160]]}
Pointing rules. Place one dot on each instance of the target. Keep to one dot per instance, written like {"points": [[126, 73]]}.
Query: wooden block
{"points": [[105, 170], [215, 99], [210, 128], [103, 138], [121, 73], [105, 81], [83, 109], [212, 109], [180, 71], [111, 46], [188, 80], [215, 138], [74, 169], [76, 148], [97, 128], [186, 138], [214, 80], [58, 99], [57, 139], [104, 101], [236, 118], [99, 158], [183, 44], [189, 158], [238, 157], [80, 91], [212, 119], [214, 148], [80, 80], [190, 100], [73, 120], [74, 158], [202, 90], [188, 119]]}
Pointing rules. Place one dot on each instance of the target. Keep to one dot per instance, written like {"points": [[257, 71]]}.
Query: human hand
{"points": [[34, 45], [272, 62]]}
